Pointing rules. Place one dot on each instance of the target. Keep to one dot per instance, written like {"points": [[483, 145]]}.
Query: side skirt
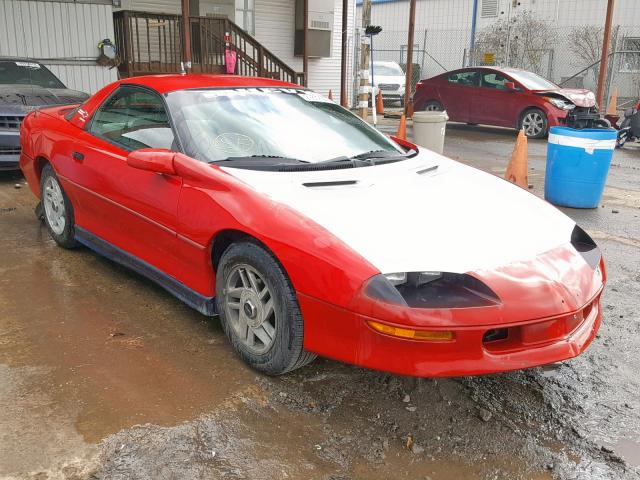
{"points": [[205, 305]]}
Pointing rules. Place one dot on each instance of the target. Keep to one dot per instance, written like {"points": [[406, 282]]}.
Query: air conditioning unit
{"points": [[320, 25]]}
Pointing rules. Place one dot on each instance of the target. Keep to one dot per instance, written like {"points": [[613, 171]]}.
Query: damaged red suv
{"points": [[507, 97]]}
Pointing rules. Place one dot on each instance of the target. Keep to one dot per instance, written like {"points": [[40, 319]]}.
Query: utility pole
{"points": [[363, 94], [409, 69], [604, 58], [305, 51], [472, 45], [186, 36], [343, 59]]}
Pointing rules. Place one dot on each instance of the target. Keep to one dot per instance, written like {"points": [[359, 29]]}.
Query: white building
{"points": [[64, 34]]}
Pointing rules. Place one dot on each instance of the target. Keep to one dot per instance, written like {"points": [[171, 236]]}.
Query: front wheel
{"points": [[534, 123], [433, 106], [57, 209], [259, 310]]}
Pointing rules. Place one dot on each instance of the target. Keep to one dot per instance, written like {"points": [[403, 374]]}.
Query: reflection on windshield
{"points": [[218, 124], [532, 81]]}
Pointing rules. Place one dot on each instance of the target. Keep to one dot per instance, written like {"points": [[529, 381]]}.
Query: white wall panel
{"points": [[275, 30], [63, 35]]}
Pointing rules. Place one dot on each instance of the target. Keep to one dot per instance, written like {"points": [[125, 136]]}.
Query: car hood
{"points": [[581, 97], [398, 79], [26, 97], [424, 213]]}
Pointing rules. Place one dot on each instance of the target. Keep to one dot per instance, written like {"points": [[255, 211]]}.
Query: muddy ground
{"points": [[105, 375]]}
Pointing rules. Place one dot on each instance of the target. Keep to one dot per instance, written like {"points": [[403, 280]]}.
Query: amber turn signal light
{"points": [[428, 335]]}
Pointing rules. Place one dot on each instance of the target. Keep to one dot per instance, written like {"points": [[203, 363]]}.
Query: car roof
{"points": [[172, 82], [18, 59], [490, 67]]}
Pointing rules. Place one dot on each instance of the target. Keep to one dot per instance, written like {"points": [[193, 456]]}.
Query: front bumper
{"points": [[9, 149], [467, 354], [533, 337], [577, 118]]}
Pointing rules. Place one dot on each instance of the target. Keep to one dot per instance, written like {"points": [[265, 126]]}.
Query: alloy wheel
{"points": [[250, 309], [533, 124], [54, 207]]}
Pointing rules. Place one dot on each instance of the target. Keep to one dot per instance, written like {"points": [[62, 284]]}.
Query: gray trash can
{"points": [[429, 129]]}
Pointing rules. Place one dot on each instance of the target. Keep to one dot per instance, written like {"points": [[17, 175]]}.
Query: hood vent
{"points": [[427, 170], [337, 183]]}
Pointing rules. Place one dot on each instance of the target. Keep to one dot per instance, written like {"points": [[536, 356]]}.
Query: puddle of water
{"points": [[629, 450], [121, 349]]}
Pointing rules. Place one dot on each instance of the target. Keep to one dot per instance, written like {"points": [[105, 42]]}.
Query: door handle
{"points": [[78, 156]]}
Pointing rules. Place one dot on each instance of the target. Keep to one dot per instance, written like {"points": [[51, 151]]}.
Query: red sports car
{"points": [[309, 232], [507, 97]]}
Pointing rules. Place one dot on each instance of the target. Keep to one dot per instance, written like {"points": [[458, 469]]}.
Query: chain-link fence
{"points": [[568, 55], [434, 52]]}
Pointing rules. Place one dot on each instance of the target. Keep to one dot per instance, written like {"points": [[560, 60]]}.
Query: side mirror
{"points": [[510, 86], [156, 160]]}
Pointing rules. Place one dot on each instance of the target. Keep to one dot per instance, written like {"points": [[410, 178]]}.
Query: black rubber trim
{"points": [[197, 301]]}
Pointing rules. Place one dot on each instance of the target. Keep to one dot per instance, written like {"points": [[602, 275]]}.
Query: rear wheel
{"points": [[534, 123], [57, 209], [259, 310], [433, 106]]}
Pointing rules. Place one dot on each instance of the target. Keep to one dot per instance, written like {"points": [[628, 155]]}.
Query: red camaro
{"points": [[309, 232], [507, 97]]}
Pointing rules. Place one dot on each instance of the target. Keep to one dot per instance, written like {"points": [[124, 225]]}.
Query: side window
{"points": [[470, 79], [494, 80], [133, 118]]}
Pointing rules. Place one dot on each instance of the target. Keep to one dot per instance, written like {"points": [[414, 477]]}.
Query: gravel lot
{"points": [[104, 375]]}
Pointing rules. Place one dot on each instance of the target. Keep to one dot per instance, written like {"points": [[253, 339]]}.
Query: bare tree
{"points": [[523, 41], [585, 43]]}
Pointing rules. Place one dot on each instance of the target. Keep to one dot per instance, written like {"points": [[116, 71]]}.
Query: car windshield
{"points": [[388, 70], [286, 125], [532, 81], [27, 73]]}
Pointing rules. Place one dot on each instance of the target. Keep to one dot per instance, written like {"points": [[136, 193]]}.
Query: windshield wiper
{"points": [[283, 160], [376, 154], [376, 157]]}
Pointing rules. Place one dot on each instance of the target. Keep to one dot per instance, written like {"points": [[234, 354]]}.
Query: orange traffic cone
{"points": [[379, 104], [410, 110], [612, 108], [330, 95], [517, 170], [402, 129]]}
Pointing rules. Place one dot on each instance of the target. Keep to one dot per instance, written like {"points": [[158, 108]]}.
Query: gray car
{"points": [[26, 85]]}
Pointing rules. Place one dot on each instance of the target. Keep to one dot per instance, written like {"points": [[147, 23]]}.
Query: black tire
{"points": [[433, 106], [286, 352], [66, 237], [540, 130], [601, 123]]}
